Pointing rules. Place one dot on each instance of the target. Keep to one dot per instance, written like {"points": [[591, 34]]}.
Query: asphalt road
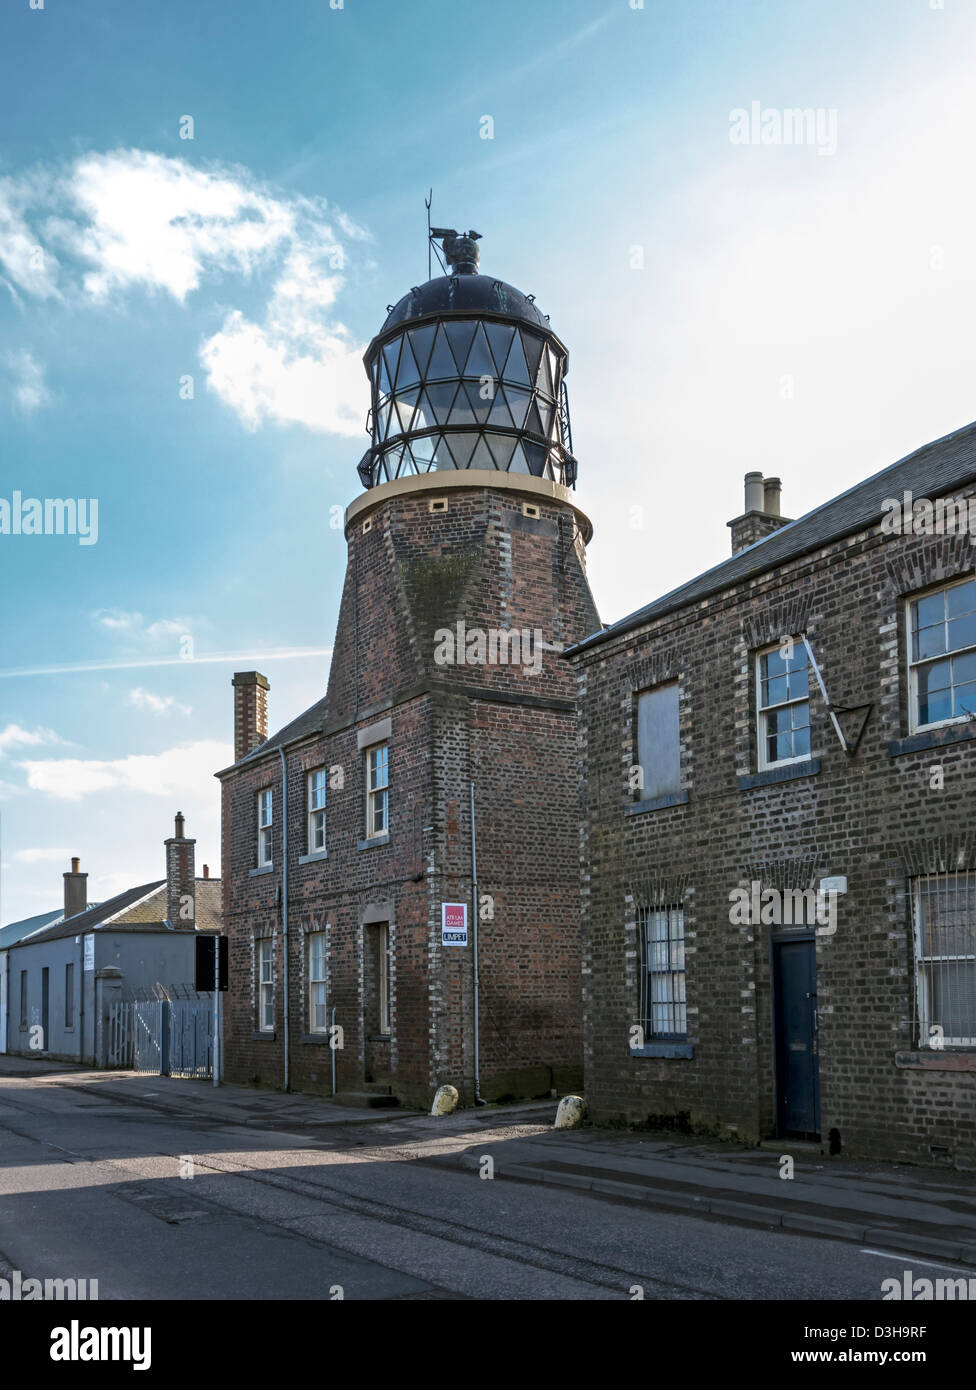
{"points": [[91, 1188]]}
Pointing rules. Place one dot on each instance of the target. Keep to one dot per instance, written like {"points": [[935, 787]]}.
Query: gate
{"points": [[173, 1037], [120, 1035]]}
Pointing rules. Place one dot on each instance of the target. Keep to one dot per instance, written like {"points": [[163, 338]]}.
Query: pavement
{"points": [[899, 1207]]}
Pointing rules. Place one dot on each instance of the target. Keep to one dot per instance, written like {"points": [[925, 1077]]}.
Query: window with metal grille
{"points": [[316, 811], [783, 704], [317, 1020], [266, 985], [663, 1009], [944, 928], [942, 656]]}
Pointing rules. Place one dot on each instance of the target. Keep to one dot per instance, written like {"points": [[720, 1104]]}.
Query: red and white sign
{"points": [[454, 924]]}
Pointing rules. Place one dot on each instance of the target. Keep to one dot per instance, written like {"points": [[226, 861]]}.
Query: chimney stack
{"points": [[762, 512], [180, 885], [250, 712], [75, 890]]}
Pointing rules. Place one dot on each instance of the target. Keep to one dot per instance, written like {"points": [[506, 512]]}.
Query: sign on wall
{"points": [[89, 943], [454, 924]]}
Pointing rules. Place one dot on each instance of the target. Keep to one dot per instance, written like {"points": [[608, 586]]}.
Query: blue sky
{"points": [[726, 307]]}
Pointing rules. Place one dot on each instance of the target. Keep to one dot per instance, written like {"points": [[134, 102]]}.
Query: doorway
{"points": [[795, 1026]]}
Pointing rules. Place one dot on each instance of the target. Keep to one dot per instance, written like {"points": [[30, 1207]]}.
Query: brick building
{"points": [[347, 832], [779, 902]]}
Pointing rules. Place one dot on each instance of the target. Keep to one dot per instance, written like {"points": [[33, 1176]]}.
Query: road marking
{"points": [[928, 1264]]}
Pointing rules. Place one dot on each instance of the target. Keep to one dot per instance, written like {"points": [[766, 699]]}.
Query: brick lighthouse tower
{"points": [[403, 857]]}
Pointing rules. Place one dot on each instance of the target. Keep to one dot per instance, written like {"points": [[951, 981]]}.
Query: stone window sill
{"points": [[932, 738], [657, 803], [772, 775], [318, 1039], [664, 1049], [314, 857], [264, 869], [259, 1036], [937, 1059], [381, 1037], [373, 841]]}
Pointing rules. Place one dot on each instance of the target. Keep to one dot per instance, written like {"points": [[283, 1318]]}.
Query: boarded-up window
{"points": [[658, 752]]}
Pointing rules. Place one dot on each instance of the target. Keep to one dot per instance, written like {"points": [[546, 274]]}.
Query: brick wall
{"points": [[413, 572], [874, 817]]}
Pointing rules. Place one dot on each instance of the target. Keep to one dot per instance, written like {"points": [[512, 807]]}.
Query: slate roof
{"points": [[16, 931], [932, 471], [95, 916]]}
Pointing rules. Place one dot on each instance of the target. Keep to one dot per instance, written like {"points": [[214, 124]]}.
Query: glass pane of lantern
{"points": [[386, 386], [501, 447], [462, 447], [383, 421], [423, 452], [536, 456], [480, 402], [518, 463], [442, 455], [499, 413], [391, 356], [441, 398], [515, 368], [408, 375], [554, 369], [462, 412], [482, 456], [393, 459], [459, 335], [424, 418], [545, 416], [479, 358], [544, 379], [406, 403], [532, 347], [423, 340], [518, 404], [532, 420], [500, 337], [442, 364]]}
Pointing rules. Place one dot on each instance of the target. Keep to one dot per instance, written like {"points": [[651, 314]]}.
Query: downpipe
{"points": [[284, 903], [474, 940]]}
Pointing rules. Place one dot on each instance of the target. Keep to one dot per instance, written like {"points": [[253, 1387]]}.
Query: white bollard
{"points": [[445, 1101], [569, 1114]]}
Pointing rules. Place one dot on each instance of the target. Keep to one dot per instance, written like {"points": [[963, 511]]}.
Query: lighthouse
{"points": [[403, 900]]}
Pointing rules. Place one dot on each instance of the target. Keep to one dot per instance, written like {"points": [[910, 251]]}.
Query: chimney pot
{"points": [[755, 499], [75, 890], [206, 870], [180, 824], [772, 492]]}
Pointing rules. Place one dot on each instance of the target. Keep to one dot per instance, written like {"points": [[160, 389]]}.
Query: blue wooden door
{"points": [[797, 1063]]}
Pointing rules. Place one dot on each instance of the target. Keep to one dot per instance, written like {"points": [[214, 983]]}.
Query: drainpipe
{"points": [[332, 1045], [474, 940], [284, 898]]}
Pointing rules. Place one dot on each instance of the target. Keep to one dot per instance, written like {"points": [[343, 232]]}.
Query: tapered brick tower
{"points": [[465, 581]]}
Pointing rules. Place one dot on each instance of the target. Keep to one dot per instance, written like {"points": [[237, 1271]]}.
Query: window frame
{"points": [[642, 793], [763, 763], [381, 791], [265, 987], [384, 980], [923, 963], [24, 999], [677, 991], [265, 828], [913, 666], [315, 982], [69, 994], [311, 812]]}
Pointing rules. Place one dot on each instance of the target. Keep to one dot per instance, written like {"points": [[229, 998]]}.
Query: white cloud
{"points": [[29, 389], [42, 856], [14, 736], [156, 704], [175, 772], [134, 626], [133, 219]]}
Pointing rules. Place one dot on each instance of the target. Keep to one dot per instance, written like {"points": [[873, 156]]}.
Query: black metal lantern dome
{"points": [[467, 373]]}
